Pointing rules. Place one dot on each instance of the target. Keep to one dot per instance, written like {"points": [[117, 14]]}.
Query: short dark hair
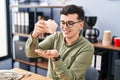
{"points": [[71, 9]]}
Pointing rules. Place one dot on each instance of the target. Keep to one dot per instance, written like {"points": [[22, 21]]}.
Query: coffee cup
{"points": [[117, 41], [106, 38]]}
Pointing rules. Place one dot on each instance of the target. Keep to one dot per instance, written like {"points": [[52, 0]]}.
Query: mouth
{"points": [[66, 31]]}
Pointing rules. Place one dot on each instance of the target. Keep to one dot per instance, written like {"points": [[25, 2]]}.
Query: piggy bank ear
{"points": [[52, 26]]}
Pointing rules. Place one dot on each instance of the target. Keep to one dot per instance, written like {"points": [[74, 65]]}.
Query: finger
{"points": [[39, 25], [44, 53], [40, 21], [40, 29], [48, 52], [39, 51], [51, 53]]}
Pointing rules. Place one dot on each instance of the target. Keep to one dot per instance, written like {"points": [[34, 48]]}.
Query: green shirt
{"points": [[75, 58]]}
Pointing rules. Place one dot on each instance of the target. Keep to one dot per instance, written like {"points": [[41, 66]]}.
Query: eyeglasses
{"points": [[68, 23]]}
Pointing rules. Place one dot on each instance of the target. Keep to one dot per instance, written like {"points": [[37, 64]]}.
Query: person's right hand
{"points": [[40, 27]]}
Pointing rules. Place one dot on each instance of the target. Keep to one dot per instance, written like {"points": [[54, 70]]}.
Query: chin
{"points": [[66, 36]]}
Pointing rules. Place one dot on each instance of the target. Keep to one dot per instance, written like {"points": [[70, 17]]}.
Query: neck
{"points": [[71, 40]]}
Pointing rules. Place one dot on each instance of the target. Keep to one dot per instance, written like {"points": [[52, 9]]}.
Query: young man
{"points": [[69, 53]]}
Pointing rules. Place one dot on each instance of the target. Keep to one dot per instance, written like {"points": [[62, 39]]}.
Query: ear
{"points": [[81, 25]]}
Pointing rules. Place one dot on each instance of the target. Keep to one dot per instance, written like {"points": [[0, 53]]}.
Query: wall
{"points": [[107, 11]]}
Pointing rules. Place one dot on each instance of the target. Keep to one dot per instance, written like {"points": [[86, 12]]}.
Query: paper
{"points": [[10, 75]]}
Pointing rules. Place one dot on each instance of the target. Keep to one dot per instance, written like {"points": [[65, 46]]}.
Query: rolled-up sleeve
{"points": [[30, 46]]}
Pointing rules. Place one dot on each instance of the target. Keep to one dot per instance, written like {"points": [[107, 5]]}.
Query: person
{"points": [[69, 54]]}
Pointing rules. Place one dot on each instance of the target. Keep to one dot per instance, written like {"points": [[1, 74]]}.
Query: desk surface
{"points": [[32, 77], [110, 47]]}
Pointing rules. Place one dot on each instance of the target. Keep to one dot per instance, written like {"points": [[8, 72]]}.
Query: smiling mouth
{"points": [[66, 32]]}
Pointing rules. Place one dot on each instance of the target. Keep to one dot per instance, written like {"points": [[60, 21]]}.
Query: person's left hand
{"points": [[47, 53]]}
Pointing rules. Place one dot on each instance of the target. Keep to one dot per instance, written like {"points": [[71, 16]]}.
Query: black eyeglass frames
{"points": [[68, 23]]}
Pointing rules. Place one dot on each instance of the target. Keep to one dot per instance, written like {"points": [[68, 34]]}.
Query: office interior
{"points": [[106, 59]]}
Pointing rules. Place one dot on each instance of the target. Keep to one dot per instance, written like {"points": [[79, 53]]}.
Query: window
{"points": [[3, 29]]}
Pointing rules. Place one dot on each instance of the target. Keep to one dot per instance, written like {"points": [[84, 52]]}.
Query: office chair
{"points": [[92, 74]]}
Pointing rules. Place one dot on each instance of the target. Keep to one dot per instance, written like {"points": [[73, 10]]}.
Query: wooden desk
{"points": [[33, 76], [111, 47]]}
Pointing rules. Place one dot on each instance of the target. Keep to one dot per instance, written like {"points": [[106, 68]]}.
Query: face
{"points": [[70, 26]]}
